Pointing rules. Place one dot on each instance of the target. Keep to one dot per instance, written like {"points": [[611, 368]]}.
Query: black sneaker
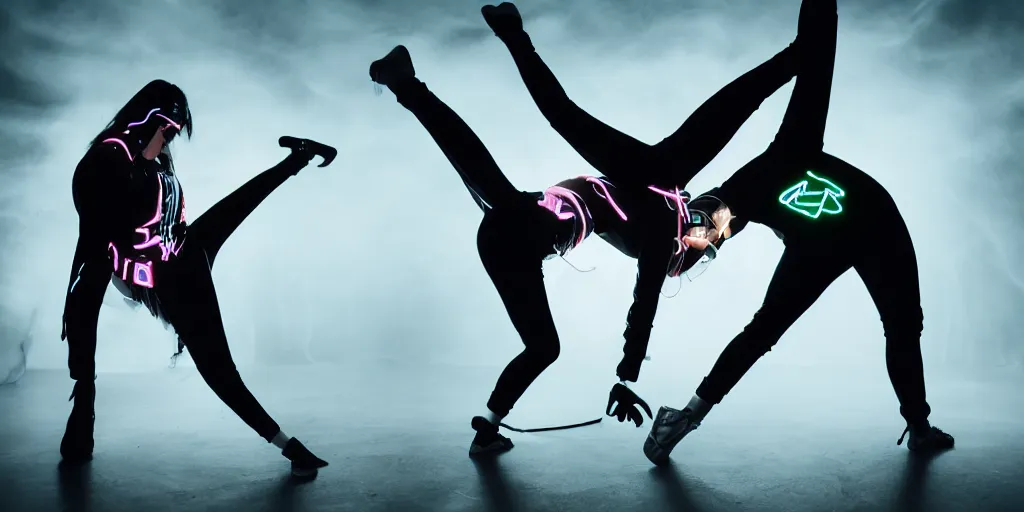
{"points": [[77, 444], [504, 18], [487, 440], [669, 427], [926, 439], [393, 67], [304, 463]]}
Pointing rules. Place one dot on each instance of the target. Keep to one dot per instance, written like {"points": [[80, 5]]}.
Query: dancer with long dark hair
{"points": [[133, 231], [644, 219]]}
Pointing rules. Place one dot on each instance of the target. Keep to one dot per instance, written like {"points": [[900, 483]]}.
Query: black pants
{"points": [[803, 274], [514, 237], [675, 160], [188, 298], [808, 267]]}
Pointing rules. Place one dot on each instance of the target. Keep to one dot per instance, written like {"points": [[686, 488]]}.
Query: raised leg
{"points": [[214, 226], [803, 126], [464, 150], [620, 157], [706, 132]]}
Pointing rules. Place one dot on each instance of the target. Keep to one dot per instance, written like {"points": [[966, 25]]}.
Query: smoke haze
{"points": [[374, 257]]}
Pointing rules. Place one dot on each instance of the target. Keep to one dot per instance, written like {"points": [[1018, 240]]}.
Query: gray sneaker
{"points": [[670, 426]]}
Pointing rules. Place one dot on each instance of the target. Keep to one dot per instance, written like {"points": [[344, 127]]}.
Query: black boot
{"points": [[394, 68], [77, 444], [504, 19], [487, 440], [925, 438], [304, 463]]}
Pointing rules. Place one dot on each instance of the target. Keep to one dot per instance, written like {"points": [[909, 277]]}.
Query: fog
{"points": [[374, 257]]}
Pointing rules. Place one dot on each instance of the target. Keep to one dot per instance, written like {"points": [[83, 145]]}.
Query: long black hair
{"points": [[171, 101]]}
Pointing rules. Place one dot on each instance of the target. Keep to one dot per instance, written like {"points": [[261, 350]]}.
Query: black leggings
{"points": [[514, 237], [675, 160], [803, 273], [808, 267], [188, 298]]}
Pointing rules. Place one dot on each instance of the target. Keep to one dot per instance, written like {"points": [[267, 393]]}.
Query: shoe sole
{"points": [[75, 456], [655, 453], [495, 448], [659, 453], [305, 473], [76, 459], [929, 449]]}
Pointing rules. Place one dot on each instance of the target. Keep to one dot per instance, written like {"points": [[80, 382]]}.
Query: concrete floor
{"points": [[163, 442]]}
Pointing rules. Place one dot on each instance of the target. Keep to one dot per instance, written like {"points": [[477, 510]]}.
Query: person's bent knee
{"points": [[544, 354]]}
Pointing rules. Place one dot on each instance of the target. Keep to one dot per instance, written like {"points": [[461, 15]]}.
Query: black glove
{"points": [[627, 402]]}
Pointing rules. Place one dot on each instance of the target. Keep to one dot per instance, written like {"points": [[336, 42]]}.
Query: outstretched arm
{"points": [[803, 126], [652, 266]]}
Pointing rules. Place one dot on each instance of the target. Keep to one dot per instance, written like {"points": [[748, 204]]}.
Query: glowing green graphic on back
{"points": [[813, 197]]}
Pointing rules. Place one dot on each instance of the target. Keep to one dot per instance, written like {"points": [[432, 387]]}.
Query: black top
{"points": [[131, 220], [641, 224]]}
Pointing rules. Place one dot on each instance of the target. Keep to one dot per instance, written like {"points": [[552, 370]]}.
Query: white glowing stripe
{"points": [[78, 277]]}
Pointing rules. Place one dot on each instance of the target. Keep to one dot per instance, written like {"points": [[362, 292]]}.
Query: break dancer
{"points": [[822, 208], [521, 229], [132, 231]]}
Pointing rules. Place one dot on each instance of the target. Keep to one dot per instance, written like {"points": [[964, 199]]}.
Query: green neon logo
{"points": [[813, 197]]}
